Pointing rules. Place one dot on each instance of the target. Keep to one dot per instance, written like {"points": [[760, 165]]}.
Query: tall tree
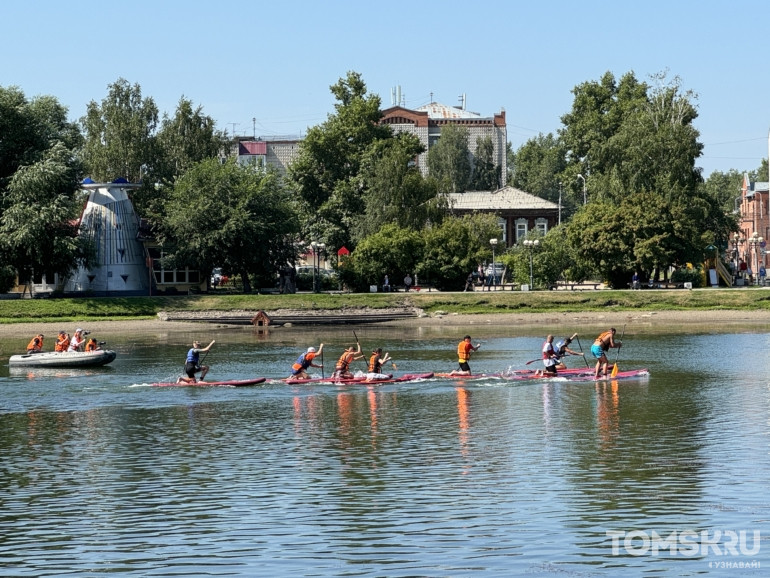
{"points": [[537, 165], [39, 202], [120, 133], [233, 217], [449, 159], [325, 172], [183, 140], [456, 248], [486, 175], [639, 145], [395, 190]]}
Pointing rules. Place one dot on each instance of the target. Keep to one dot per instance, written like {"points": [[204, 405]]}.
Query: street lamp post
{"points": [[493, 242], [531, 246], [736, 239], [756, 242], [314, 246], [582, 178]]}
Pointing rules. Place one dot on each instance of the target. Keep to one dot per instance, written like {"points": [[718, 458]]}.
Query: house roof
{"points": [[438, 110], [507, 198]]}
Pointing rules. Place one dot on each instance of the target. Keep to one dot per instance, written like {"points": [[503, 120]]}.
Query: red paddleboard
{"points": [[361, 380], [229, 383]]}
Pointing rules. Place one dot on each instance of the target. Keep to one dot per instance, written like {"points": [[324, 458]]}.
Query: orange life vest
{"points": [[344, 361], [604, 340], [91, 345], [303, 361], [464, 351], [374, 364], [62, 343], [36, 344]]}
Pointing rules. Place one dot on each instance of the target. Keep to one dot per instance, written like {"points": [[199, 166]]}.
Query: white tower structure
{"points": [[110, 222]]}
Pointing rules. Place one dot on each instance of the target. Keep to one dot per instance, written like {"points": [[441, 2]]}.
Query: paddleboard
{"points": [[360, 380], [228, 383]]}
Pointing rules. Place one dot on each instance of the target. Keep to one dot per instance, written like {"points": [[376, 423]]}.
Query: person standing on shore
{"points": [[305, 361], [464, 350], [192, 363], [599, 349]]}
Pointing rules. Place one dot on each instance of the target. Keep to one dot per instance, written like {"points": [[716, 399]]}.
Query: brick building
{"points": [[427, 121], [749, 243]]}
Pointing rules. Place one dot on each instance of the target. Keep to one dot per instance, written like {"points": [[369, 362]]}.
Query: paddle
{"points": [[322, 362], [358, 343], [581, 351], [615, 367], [533, 360]]}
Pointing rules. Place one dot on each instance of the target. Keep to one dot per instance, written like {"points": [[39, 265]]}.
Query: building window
{"points": [[503, 224], [541, 226], [521, 229]]}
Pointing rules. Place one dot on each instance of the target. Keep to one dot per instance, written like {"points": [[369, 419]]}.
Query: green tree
{"points": [[183, 140], [724, 188], [325, 173], [537, 166], [120, 134], [449, 160], [393, 251], [455, 248], [39, 199], [639, 146], [395, 190], [233, 217], [486, 175]]}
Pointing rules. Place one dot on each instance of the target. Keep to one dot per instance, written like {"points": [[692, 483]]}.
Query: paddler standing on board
{"points": [[599, 350], [464, 350], [192, 363], [304, 361]]}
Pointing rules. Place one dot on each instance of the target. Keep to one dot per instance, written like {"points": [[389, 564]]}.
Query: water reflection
{"points": [[101, 474]]}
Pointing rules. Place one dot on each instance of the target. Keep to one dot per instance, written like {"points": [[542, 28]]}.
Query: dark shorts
{"points": [[191, 369], [464, 366], [550, 369]]}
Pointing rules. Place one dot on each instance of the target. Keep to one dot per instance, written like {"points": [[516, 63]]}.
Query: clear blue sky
{"points": [[274, 61]]}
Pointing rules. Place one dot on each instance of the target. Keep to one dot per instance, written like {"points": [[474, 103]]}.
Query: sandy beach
{"points": [[675, 321]]}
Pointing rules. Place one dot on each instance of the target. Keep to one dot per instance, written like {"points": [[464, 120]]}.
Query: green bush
{"points": [[684, 275]]}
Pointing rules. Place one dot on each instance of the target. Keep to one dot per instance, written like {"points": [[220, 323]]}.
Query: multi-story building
{"points": [[277, 152], [427, 121], [750, 243]]}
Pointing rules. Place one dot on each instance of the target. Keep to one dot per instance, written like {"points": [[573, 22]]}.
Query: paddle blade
{"points": [[614, 370]]}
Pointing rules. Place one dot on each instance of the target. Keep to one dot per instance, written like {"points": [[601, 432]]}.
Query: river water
{"points": [[101, 473]]}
